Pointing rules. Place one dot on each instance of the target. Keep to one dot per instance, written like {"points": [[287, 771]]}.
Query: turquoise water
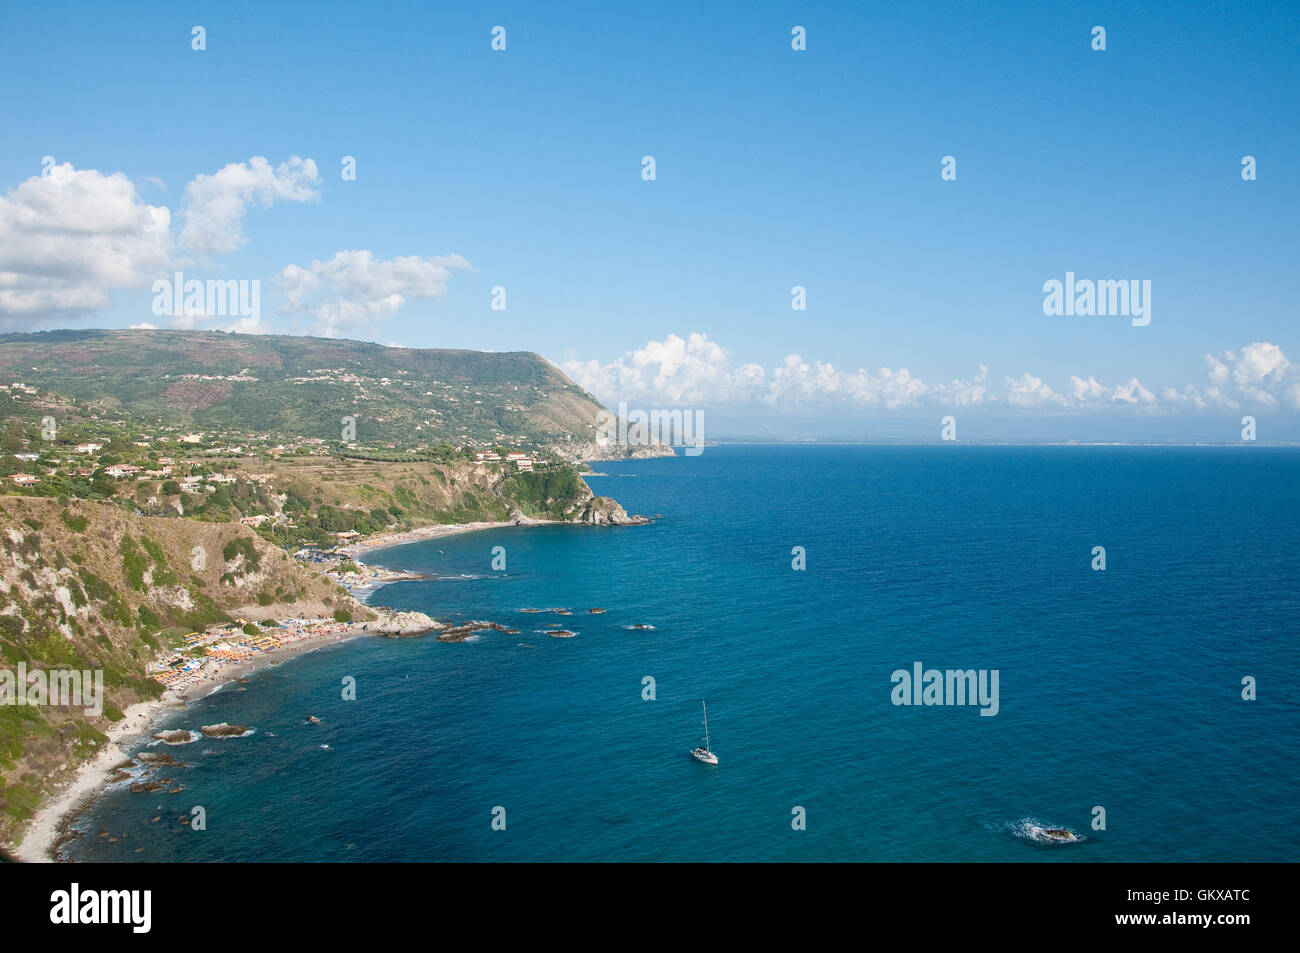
{"points": [[1119, 688]]}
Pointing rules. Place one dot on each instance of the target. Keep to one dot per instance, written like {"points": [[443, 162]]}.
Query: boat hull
{"points": [[707, 757]]}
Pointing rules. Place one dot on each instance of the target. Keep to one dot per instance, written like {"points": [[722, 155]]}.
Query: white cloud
{"points": [[354, 287], [1090, 391], [69, 238], [1082, 390], [1131, 392], [1030, 391], [970, 393], [695, 371], [1258, 373], [215, 204]]}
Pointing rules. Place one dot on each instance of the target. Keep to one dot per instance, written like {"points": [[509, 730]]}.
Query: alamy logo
{"points": [[951, 687], [212, 298], [1103, 297], [59, 687], [134, 907], [639, 428]]}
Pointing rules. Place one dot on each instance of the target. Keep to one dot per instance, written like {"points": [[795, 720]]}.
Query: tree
{"points": [[13, 438]]}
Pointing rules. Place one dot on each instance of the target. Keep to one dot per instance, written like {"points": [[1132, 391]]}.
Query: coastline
{"points": [[43, 833], [46, 828], [437, 531]]}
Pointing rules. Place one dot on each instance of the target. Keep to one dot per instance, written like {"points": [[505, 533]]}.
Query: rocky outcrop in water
{"points": [[606, 511], [400, 625], [155, 757], [459, 633], [223, 730]]}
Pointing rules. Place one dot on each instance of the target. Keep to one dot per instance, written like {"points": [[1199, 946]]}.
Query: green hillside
{"points": [[303, 386]]}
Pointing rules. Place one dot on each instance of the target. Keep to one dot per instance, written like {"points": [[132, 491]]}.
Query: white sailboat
{"points": [[704, 754]]}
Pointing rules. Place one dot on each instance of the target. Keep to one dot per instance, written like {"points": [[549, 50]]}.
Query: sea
{"points": [[1150, 707]]}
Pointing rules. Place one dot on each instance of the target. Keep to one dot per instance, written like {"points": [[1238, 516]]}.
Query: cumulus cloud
{"points": [[1090, 391], [68, 238], [354, 287], [215, 204], [696, 371], [1030, 391], [970, 393], [1257, 373]]}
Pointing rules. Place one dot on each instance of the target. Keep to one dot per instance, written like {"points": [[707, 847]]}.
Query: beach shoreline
{"points": [[48, 825], [44, 832], [437, 531]]}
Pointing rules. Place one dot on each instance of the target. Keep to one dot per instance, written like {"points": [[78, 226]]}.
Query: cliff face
{"points": [[590, 450], [605, 511]]}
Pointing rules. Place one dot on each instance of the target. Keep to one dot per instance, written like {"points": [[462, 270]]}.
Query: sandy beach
{"points": [[385, 540], [44, 829]]}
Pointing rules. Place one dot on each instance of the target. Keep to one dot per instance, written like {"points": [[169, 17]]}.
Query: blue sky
{"points": [[775, 168]]}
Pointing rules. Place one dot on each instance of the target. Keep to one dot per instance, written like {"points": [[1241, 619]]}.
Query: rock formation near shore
{"points": [[402, 624], [224, 730], [460, 633], [606, 511]]}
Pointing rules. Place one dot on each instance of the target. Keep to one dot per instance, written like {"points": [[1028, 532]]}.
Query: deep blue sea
{"points": [[1120, 689]]}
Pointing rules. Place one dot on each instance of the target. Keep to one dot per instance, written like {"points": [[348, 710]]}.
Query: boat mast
{"points": [[706, 724]]}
